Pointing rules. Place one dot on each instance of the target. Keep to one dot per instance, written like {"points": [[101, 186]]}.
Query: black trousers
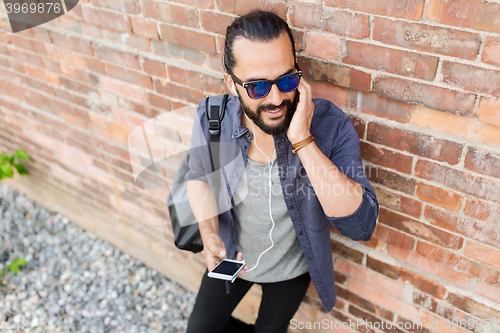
{"points": [[213, 307]]}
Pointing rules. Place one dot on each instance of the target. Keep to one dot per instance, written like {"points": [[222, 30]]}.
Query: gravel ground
{"points": [[75, 282]]}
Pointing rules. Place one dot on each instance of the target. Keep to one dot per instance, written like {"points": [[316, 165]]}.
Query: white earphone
{"points": [[270, 195]]}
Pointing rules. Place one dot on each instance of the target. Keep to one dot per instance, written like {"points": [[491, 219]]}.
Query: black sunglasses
{"points": [[261, 88]]}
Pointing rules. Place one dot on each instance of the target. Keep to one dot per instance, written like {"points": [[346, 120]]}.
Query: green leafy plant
{"points": [[13, 267], [7, 162]]}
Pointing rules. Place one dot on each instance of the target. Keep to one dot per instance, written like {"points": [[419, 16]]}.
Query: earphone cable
{"points": [[270, 196]]}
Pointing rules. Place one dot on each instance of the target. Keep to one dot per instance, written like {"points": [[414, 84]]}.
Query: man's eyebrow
{"points": [[257, 79]]}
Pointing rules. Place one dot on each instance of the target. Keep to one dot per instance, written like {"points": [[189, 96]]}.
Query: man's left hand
{"points": [[300, 125]]}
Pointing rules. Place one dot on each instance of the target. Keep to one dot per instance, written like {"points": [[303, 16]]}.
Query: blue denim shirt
{"points": [[335, 135]]}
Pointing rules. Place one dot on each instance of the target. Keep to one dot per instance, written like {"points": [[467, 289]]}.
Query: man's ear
{"points": [[231, 86]]}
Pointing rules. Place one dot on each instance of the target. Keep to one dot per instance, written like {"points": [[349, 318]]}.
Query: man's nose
{"points": [[275, 96]]}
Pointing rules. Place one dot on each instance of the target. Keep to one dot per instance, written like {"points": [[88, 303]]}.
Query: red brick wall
{"points": [[420, 78]]}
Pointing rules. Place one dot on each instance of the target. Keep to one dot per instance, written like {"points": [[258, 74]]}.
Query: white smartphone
{"points": [[227, 269]]}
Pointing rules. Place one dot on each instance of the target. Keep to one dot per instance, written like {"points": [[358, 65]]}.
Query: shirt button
{"points": [[244, 147], [283, 176], [235, 175], [248, 135], [235, 133]]}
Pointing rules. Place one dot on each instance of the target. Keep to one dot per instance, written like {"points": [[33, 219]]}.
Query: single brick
{"points": [[359, 125], [196, 80], [340, 75], [471, 306], [366, 275], [488, 110], [335, 94], [105, 19], [390, 179], [30, 45], [487, 290], [241, 7], [398, 202], [463, 127], [464, 226], [484, 163], [299, 39], [474, 14], [427, 38], [178, 91], [439, 197], [386, 108], [386, 158], [145, 28], [122, 89], [363, 303], [171, 13], [472, 78], [326, 47], [430, 262], [393, 237], [75, 73], [415, 143], [387, 301], [408, 9], [344, 251], [187, 38], [154, 67], [109, 129], [206, 4], [420, 230], [179, 52], [126, 6], [483, 211], [424, 94], [458, 180], [116, 56], [130, 76], [388, 270], [424, 284], [132, 40], [328, 19], [491, 51], [215, 22], [488, 255], [390, 60]]}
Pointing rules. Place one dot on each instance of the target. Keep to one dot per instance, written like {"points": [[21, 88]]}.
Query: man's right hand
{"points": [[214, 250]]}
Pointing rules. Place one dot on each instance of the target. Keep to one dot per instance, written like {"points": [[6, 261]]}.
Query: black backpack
{"points": [[185, 227]]}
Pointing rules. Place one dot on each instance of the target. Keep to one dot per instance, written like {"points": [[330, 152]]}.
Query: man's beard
{"points": [[284, 120]]}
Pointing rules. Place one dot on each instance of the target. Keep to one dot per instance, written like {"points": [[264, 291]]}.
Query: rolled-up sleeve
{"points": [[345, 155]]}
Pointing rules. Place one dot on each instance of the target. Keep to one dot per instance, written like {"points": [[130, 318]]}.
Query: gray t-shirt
{"points": [[285, 260]]}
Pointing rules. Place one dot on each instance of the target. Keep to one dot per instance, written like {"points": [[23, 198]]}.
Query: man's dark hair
{"points": [[259, 26]]}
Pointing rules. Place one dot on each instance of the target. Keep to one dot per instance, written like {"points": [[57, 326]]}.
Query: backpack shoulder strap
{"points": [[215, 107]]}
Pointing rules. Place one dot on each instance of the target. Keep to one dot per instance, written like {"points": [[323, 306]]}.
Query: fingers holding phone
{"points": [[214, 250], [239, 257]]}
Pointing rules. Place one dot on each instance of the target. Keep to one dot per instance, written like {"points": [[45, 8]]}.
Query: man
{"points": [[282, 234]]}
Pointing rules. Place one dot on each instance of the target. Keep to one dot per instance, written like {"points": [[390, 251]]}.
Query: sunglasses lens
{"points": [[288, 83], [258, 89]]}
